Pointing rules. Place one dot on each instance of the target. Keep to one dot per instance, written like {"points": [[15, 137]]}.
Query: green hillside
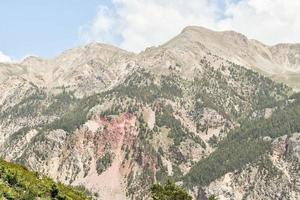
{"points": [[16, 182]]}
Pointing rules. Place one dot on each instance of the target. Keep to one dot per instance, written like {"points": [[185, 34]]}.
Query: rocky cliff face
{"points": [[115, 122]]}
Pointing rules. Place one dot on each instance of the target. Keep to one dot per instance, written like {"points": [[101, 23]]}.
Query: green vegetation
{"points": [[76, 116], [165, 118], [245, 145], [170, 86], [141, 86], [72, 112], [212, 197], [178, 133], [16, 182], [103, 163], [28, 106], [60, 103], [169, 191], [236, 94]]}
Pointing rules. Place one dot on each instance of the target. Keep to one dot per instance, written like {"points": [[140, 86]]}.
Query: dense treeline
{"points": [[245, 145], [75, 116], [141, 86], [60, 103], [28, 106], [177, 132], [165, 118]]}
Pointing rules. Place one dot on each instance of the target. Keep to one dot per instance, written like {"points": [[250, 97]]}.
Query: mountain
{"points": [[280, 62], [206, 109], [85, 69]]}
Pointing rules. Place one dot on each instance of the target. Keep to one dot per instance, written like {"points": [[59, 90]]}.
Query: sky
{"points": [[47, 27]]}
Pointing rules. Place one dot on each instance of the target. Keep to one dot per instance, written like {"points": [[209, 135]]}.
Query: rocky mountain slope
{"points": [[84, 69], [280, 62], [277, 178], [102, 63], [115, 122]]}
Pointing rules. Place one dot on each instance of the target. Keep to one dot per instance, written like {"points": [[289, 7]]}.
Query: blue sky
{"points": [[47, 27], [43, 27]]}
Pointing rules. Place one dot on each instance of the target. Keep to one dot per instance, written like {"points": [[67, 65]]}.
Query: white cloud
{"points": [[4, 58], [136, 24], [271, 21], [153, 22], [103, 28]]}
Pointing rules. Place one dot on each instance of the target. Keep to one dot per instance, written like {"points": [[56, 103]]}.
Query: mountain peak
{"points": [[198, 42], [203, 30], [28, 60], [98, 45], [195, 28], [192, 35], [35, 64]]}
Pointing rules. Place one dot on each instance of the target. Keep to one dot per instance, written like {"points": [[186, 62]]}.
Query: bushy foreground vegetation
{"points": [[16, 182], [169, 191]]}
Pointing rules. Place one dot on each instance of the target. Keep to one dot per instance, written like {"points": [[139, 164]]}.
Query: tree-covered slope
{"points": [[16, 182], [249, 144]]}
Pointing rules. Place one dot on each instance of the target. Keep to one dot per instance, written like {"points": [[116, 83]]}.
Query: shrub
{"points": [[169, 191]]}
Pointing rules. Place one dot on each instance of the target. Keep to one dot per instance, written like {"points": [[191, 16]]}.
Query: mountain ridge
{"points": [[104, 115], [280, 62]]}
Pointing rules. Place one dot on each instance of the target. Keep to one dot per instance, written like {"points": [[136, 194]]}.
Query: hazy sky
{"points": [[47, 27]]}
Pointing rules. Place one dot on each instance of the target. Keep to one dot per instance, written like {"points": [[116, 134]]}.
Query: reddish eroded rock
{"points": [[97, 138], [109, 133], [116, 131]]}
